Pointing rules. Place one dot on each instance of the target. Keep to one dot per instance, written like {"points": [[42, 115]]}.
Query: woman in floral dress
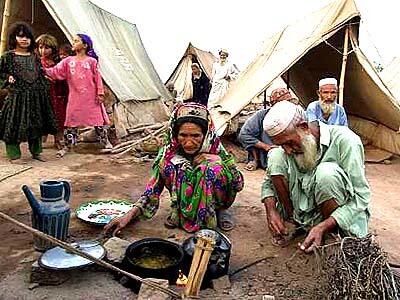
{"points": [[200, 175]]}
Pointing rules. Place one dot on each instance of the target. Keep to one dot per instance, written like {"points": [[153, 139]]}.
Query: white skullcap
{"points": [[326, 81], [280, 116]]}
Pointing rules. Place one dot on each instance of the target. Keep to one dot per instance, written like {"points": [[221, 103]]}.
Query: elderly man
{"points": [[222, 74], [326, 109], [252, 136], [315, 179]]}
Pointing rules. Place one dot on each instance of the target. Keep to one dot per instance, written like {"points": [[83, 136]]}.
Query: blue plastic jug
{"points": [[51, 213]]}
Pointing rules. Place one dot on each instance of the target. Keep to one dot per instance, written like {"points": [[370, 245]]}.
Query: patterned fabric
{"points": [[197, 192], [27, 113], [85, 85], [280, 94], [58, 95]]}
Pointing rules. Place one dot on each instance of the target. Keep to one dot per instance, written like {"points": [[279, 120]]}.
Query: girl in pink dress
{"points": [[86, 93]]}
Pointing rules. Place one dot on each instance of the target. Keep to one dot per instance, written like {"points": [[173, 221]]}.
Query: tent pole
{"points": [[344, 62], [265, 99], [4, 26]]}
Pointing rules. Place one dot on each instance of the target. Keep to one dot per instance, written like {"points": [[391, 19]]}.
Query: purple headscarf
{"points": [[88, 41]]}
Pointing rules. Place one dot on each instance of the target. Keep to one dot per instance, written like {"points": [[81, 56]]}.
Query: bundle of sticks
{"points": [[355, 269], [148, 130]]}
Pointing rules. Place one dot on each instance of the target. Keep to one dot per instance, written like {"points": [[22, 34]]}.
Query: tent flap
{"points": [[309, 50]]}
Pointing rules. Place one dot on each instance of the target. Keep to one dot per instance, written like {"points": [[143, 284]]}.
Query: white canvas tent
{"points": [[310, 49], [124, 63], [391, 76], [181, 77]]}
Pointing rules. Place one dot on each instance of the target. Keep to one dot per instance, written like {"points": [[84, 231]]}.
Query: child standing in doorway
{"points": [[48, 50], [86, 92], [27, 114]]}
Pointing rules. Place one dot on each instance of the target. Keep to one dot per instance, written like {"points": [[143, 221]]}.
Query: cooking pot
{"points": [[150, 246]]}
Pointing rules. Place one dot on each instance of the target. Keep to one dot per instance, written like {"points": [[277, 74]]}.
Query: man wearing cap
{"points": [[316, 179], [252, 136], [326, 109]]}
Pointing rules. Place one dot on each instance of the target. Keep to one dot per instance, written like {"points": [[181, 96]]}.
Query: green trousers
{"points": [[14, 151]]}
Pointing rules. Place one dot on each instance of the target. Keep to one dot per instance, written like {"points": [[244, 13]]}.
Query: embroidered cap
{"points": [[281, 115], [192, 111]]}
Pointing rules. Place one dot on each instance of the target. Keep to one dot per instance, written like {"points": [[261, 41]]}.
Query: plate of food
{"points": [[100, 212]]}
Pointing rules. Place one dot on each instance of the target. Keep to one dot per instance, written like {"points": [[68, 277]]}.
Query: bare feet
{"points": [[38, 157]]}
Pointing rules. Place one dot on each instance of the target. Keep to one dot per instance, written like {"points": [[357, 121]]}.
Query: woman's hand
{"points": [[11, 79], [206, 157], [119, 223]]}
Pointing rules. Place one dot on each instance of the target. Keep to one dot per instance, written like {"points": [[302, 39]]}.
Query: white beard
{"points": [[327, 108], [308, 160]]}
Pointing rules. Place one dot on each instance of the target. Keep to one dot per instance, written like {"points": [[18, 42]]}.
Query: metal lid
{"points": [[59, 259]]}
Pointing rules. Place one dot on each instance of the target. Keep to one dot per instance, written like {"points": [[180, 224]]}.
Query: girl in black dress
{"points": [[27, 113]]}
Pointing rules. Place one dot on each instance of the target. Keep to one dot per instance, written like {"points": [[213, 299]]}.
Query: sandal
{"points": [[251, 166], [225, 220], [169, 223], [60, 153]]}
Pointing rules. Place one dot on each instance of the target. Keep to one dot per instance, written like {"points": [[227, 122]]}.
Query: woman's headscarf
{"points": [[88, 41], [193, 113]]}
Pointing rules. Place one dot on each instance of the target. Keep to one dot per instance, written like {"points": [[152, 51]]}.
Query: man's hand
{"points": [[314, 238], [268, 147], [206, 156], [274, 220], [316, 235]]}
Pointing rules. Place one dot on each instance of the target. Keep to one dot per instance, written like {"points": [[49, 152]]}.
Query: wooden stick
{"points": [[140, 129], [141, 125], [140, 140], [119, 150], [4, 26], [198, 268], [97, 261], [129, 142], [344, 62], [15, 173]]}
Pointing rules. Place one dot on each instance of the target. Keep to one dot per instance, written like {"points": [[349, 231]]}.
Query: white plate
{"points": [[100, 212]]}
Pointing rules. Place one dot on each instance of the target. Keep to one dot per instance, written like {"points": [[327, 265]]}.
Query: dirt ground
{"points": [[284, 273]]}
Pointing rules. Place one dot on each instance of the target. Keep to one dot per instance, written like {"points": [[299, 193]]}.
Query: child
{"points": [[27, 114], [65, 51], [48, 51], [86, 93]]}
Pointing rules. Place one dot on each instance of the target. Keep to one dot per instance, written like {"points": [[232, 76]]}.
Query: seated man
{"points": [[316, 179], [326, 109], [252, 136]]}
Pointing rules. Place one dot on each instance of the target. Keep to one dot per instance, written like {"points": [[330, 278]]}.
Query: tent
{"points": [[124, 63], [181, 77], [391, 76], [308, 50]]}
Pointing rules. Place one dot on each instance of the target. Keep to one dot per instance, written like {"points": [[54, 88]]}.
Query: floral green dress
{"points": [[197, 192]]}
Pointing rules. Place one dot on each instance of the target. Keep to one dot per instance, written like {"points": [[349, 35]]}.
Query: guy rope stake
{"points": [[97, 261]]}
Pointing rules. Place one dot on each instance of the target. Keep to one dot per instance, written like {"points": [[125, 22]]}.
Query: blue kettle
{"points": [[51, 213]]}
